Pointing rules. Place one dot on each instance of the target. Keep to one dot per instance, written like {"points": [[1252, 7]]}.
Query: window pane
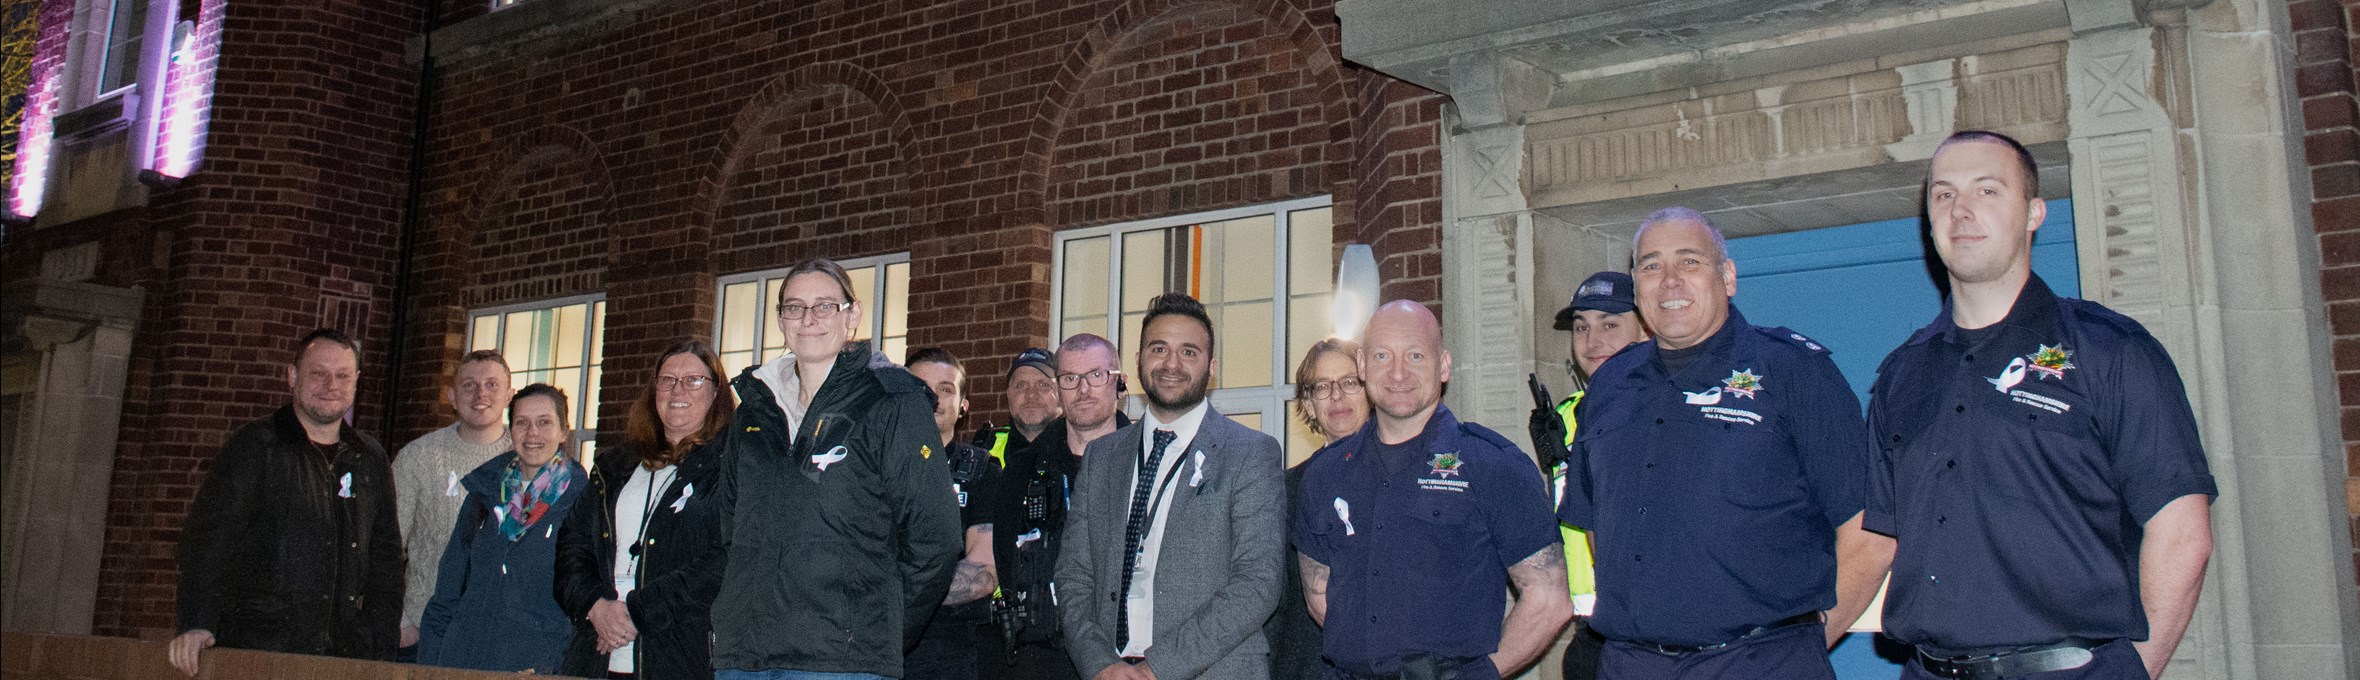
{"points": [[1094, 325], [864, 286], [1247, 268], [741, 309], [487, 333], [570, 380], [572, 325], [896, 310], [519, 343], [736, 361], [1130, 351], [124, 37], [1145, 270], [1244, 347], [589, 448], [1308, 321], [770, 338], [1252, 421], [598, 332], [1311, 266], [590, 399], [1083, 285], [895, 349]]}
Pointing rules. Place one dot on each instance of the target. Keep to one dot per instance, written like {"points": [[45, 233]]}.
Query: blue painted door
{"points": [[1861, 290]]}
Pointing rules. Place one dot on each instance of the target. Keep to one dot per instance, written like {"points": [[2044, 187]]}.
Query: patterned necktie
{"points": [[1135, 531]]}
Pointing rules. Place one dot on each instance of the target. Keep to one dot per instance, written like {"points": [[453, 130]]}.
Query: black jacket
{"points": [[841, 539], [281, 554], [679, 567]]}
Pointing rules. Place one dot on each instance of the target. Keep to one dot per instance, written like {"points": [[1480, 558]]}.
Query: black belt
{"points": [[2070, 654], [1682, 650]]}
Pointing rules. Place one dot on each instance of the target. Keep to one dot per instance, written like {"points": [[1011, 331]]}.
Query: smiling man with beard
{"points": [[1173, 542]]}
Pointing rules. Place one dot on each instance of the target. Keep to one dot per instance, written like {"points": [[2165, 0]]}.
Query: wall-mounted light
{"points": [[184, 92], [1356, 291], [32, 151]]}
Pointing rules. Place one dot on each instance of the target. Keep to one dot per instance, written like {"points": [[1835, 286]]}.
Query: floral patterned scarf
{"points": [[523, 501]]}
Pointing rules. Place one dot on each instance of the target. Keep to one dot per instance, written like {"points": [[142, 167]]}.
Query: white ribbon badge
{"points": [[1344, 512], [686, 490]]}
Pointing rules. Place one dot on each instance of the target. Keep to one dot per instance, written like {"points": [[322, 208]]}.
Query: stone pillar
{"points": [[69, 355], [2185, 221], [1487, 240]]}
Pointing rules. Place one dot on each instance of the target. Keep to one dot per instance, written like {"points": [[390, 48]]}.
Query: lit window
{"points": [[561, 343], [748, 329], [126, 22], [1264, 274]]}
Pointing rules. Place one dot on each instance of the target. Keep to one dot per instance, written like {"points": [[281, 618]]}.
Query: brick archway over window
{"points": [[816, 164], [1168, 107]]}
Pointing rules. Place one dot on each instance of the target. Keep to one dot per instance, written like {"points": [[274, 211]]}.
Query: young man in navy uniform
{"points": [[2070, 531], [1720, 469], [1411, 529]]}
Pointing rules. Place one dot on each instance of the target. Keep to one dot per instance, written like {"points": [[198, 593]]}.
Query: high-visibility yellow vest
{"points": [[999, 446], [1580, 570]]}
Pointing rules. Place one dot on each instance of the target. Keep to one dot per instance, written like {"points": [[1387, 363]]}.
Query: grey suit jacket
{"points": [[1217, 575]]}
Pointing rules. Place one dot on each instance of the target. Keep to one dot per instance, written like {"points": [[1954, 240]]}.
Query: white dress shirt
{"points": [[1141, 599]]}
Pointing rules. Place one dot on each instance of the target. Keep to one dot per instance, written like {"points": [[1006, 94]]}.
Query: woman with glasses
{"points": [[842, 529], [638, 575], [1329, 398], [492, 608]]}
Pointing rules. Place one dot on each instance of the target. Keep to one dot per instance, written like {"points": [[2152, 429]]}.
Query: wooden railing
{"points": [[41, 656]]}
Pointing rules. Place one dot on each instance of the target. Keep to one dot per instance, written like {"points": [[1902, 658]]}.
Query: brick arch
{"points": [[1134, 21], [815, 90], [520, 252]]}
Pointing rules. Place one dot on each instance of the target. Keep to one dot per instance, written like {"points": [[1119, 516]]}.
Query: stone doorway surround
{"points": [[2168, 121], [67, 351]]}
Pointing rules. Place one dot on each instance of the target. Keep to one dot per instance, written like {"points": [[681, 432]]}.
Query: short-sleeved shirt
{"points": [[2016, 465], [1418, 542], [1713, 494]]}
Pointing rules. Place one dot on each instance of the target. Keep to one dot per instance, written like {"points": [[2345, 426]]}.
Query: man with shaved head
{"points": [[1721, 469], [1412, 529]]}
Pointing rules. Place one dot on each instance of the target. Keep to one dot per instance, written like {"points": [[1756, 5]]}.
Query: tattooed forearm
{"points": [[1315, 582], [970, 581]]}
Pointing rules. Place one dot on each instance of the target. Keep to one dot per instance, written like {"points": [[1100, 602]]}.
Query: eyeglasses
{"points": [[824, 310], [694, 383], [1330, 388], [1096, 378]]}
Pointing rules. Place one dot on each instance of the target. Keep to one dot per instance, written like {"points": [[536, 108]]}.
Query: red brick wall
{"points": [[648, 155], [288, 224], [2326, 52], [746, 135]]}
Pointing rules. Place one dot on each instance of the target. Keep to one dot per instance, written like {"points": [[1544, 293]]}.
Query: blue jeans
{"points": [[737, 674]]}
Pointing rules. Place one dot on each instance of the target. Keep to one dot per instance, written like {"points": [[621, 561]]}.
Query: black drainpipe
{"points": [[413, 201]]}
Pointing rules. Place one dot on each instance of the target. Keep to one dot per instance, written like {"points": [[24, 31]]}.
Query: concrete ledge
{"points": [[39, 656]]}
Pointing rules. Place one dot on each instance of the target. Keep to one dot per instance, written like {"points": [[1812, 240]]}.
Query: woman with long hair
{"points": [[636, 576]]}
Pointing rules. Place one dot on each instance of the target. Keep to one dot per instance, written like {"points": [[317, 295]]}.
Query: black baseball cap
{"points": [[1608, 292], [1036, 358]]}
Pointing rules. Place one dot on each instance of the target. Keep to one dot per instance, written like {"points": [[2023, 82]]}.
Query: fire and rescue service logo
{"points": [[1742, 383], [2051, 361], [1446, 465]]}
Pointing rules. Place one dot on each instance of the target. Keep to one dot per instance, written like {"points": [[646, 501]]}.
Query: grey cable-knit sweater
{"points": [[427, 498]]}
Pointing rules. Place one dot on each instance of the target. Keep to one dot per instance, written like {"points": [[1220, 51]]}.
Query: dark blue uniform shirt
{"points": [[2016, 470], [1713, 495], [1418, 546]]}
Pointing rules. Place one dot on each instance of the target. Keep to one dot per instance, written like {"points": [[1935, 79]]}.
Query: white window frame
{"points": [[768, 324], [585, 430], [1269, 400]]}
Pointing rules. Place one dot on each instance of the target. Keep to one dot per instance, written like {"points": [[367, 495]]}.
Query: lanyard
{"points": [[1170, 478]]}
